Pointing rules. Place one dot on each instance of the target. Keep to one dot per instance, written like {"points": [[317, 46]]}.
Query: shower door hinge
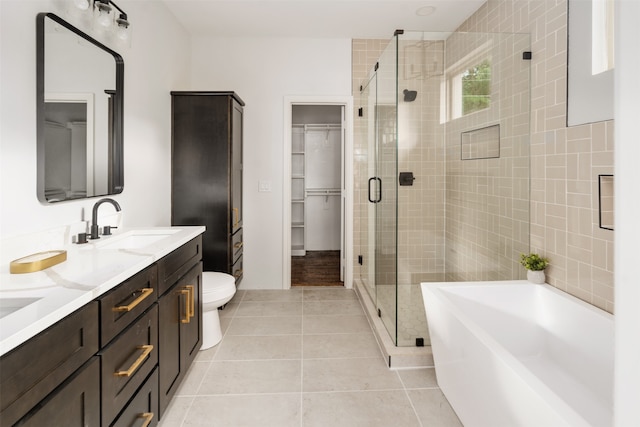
{"points": [[379, 313], [361, 88], [360, 260], [376, 67], [527, 55], [419, 342], [360, 112]]}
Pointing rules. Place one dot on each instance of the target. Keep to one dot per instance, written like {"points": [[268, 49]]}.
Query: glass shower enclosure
{"points": [[442, 143]]}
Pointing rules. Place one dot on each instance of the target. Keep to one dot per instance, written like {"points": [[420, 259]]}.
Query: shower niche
{"points": [[453, 109]]}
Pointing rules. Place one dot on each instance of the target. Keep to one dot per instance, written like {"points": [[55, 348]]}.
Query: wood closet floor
{"points": [[316, 268]]}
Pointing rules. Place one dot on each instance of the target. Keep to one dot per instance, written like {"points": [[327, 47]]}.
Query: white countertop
{"points": [[90, 270]]}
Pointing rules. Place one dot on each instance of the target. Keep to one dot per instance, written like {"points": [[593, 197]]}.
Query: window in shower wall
{"points": [[467, 86], [476, 88]]}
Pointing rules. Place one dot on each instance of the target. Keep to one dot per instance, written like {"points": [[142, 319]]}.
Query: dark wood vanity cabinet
{"points": [[206, 186], [180, 320], [118, 360], [57, 362], [76, 403]]}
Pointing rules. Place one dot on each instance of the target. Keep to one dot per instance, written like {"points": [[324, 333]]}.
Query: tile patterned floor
{"points": [[302, 357]]}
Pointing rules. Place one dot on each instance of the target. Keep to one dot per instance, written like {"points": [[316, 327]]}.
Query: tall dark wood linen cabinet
{"points": [[206, 174]]}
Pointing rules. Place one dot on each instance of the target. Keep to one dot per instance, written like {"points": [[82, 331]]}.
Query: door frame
{"points": [[347, 103]]}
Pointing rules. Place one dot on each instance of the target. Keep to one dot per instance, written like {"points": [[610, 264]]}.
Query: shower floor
{"points": [[316, 268]]}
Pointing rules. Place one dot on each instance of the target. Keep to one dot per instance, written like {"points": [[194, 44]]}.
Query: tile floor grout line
{"points": [[186, 413], [302, 362]]}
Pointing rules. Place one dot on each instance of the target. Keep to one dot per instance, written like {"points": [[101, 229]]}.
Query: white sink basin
{"points": [[10, 305], [135, 239]]}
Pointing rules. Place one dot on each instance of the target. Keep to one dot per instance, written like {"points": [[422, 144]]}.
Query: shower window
{"points": [[476, 88], [468, 85]]}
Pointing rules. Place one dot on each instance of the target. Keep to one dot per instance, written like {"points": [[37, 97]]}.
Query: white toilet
{"points": [[217, 290]]}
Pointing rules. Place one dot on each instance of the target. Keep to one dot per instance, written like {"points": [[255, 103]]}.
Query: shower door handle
{"points": [[375, 178], [369, 190]]}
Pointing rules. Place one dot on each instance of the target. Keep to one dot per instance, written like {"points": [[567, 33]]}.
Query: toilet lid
{"points": [[214, 282]]}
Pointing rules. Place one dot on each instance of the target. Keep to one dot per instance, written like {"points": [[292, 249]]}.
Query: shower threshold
{"points": [[396, 357]]}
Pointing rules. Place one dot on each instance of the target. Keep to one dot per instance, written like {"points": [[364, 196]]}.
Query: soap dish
{"points": [[37, 262]]}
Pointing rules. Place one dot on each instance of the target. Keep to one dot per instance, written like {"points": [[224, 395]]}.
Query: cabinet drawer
{"points": [[120, 306], [237, 245], [237, 270], [33, 370], [76, 403], [178, 263], [127, 361], [142, 410]]}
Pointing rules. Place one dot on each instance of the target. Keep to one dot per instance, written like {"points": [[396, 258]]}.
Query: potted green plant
{"points": [[535, 265]]}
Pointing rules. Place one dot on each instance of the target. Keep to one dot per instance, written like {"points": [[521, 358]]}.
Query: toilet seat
{"points": [[217, 286]]}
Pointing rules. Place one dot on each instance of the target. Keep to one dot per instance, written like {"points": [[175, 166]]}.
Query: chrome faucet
{"points": [[94, 216]]}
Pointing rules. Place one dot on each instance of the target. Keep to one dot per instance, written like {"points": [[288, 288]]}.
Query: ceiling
{"points": [[318, 18]]}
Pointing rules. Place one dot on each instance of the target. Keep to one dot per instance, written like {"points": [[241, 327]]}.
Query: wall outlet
{"points": [[264, 186]]}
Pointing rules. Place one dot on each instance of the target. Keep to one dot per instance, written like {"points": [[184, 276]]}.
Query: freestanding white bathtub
{"points": [[518, 354]]}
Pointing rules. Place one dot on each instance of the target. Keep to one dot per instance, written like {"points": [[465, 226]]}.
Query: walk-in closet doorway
{"points": [[318, 192]]}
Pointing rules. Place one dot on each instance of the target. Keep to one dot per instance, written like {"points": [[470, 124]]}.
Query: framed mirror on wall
{"points": [[80, 85], [590, 61]]}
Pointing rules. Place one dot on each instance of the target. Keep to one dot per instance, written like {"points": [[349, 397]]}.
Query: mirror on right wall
{"points": [[590, 61], [80, 85]]}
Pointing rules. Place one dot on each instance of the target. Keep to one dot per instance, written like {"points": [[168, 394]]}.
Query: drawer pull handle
{"points": [[187, 308], [238, 245], [192, 300], [147, 417], [145, 292], [146, 350], [237, 273]]}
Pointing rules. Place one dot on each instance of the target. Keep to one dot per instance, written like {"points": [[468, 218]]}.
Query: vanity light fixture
{"points": [[105, 17]]}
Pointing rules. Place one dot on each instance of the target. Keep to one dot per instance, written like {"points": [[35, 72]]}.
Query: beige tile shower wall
{"points": [[565, 162], [421, 210], [487, 199]]}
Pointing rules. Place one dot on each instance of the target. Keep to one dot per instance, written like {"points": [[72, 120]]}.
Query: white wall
{"points": [[156, 62], [627, 211], [263, 71]]}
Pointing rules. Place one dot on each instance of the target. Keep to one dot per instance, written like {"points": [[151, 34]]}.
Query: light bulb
{"points": [[123, 33], [123, 25], [104, 8], [81, 4], [104, 18]]}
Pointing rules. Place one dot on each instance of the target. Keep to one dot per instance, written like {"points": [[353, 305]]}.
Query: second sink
{"points": [[135, 239]]}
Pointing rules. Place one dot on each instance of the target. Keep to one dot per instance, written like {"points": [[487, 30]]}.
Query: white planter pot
{"points": [[536, 276]]}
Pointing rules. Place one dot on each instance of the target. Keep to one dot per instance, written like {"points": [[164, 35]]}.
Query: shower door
{"points": [[379, 224], [366, 198], [386, 174]]}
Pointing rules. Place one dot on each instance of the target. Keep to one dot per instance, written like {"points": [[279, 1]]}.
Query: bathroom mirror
{"points": [[79, 113]]}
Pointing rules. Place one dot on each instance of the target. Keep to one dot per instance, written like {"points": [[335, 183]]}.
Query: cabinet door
{"points": [[180, 332], [236, 166], [75, 403]]}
